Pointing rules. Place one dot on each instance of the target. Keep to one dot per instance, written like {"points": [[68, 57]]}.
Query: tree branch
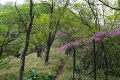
{"points": [[21, 17], [109, 6]]}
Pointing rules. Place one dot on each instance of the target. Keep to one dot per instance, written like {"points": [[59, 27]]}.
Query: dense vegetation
{"points": [[62, 40]]}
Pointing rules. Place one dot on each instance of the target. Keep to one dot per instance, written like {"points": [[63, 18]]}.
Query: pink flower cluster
{"points": [[105, 27], [80, 42], [118, 31], [101, 36], [85, 49], [104, 36], [97, 36], [62, 48], [77, 43]]}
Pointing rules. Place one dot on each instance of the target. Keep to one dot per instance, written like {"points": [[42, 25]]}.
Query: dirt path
{"points": [[60, 70]]}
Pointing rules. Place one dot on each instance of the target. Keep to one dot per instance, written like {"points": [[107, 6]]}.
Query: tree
{"points": [[28, 30], [38, 36], [9, 30], [54, 16], [40, 30]]}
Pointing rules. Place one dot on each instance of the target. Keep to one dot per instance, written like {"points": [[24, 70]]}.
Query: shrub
{"points": [[33, 75]]}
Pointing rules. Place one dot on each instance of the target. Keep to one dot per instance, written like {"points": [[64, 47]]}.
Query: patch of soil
{"points": [[60, 70]]}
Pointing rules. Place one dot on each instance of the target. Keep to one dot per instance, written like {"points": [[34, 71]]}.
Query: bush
{"points": [[49, 76], [33, 75], [8, 79]]}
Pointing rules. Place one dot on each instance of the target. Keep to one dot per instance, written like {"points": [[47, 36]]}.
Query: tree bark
{"points": [[47, 53], [48, 46], [26, 42], [94, 56], [74, 61], [39, 50], [1, 51]]}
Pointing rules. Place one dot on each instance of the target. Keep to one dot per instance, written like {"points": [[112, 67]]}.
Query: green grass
{"points": [[11, 70], [67, 70]]}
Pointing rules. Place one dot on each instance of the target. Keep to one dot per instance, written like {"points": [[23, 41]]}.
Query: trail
{"points": [[60, 70]]}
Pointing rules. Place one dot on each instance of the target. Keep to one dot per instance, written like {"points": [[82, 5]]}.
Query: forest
{"points": [[60, 40]]}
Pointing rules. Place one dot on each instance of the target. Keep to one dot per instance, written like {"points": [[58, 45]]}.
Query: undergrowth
{"points": [[32, 62]]}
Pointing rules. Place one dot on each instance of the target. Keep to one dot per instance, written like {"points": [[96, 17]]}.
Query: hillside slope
{"points": [[34, 63]]}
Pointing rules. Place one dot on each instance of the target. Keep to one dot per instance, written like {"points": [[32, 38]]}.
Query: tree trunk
{"points": [[94, 56], [23, 55], [74, 61], [48, 46], [1, 51], [47, 53], [39, 50], [26, 42]]}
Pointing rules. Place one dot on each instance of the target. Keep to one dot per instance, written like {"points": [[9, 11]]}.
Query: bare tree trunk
{"points": [[74, 60], [26, 42], [1, 51], [39, 50], [94, 56], [47, 53], [48, 46]]}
